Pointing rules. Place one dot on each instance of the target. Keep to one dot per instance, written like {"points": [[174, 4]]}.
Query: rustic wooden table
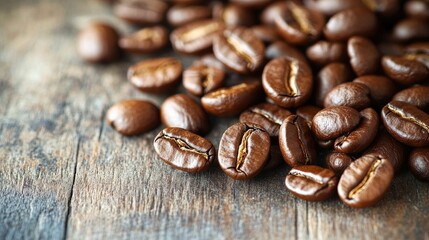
{"points": [[65, 174]]}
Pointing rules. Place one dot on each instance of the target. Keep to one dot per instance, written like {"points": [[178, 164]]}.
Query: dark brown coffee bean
{"points": [[296, 142], [146, 40], [233, 100], [287, 82], [268, 116], [243, 150], [351, 22], [417, 96], [234, 15], [182, 111], [338, 162], [333, 122], [311, 183], [418, 51], [419, 163], [362, 136], [406, 123], [266, 33], [298, 25], [133, 117], [200, 79], [180, 15], [184, 150], [351, 94], [385, 8], [252, 3], [274, 10], [364, 56], [240, 50], [411, 29], [326, 144], [141, 12], [365, 181], [331, 7], [98, 42], [282, 49], [417, 9], [323, 52], [328, 78], [381, 89], [155, 75], [275, 159], [308, 112], [404, 71]]}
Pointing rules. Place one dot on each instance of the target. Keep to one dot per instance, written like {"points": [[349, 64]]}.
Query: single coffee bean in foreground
{"points": [[146, 40], [333, 122], [311, 183], [133, 117], [184, 150], [365, 181], [419, 163], [338, 162], [244, 150], [350, 94]]}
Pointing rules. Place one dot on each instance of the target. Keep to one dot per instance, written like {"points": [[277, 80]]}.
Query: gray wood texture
{"points": [[65, 174]]}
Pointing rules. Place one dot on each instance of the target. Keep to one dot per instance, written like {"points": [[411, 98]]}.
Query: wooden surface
{"points": [[65, 174]]}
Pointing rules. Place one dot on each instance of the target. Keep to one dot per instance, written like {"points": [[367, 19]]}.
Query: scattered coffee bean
{"points": [[180, 15], [381, 89], [146, 40], [419, 163], [333, 122], [404, 71], [417, 9], [274, 10], [141, 12], [308, 112], [418, 51], [411, 29], [200, 79], [351, 94], [234, 15], [338, 162], [364, 56], [328, 78], [323, 52], [331, 7], [417, 96]]}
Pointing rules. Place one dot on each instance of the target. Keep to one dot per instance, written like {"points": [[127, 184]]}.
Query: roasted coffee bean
{"points": [[417, 96], [311, 183], [307, 112], [200, 79], [240, 50], [182, 111], [381, 89], [155, 75], [243, 150], [417, 9], [298, 25], [269, 116], [141, 12], [338, 162], [196, 37], [252, 3], [331, 7], [209, 60], [351, 22], [180, 15], [234, 15], [98, 42], [282, 49], [362, 136], [411, 29], [275, 159], [323, 52], [328, 78], [333, 122], [233, 100], [326, 144], [365, 181], [287, 82], [133, 117], [351, 94], [146, 40], [386, 8], [419, 163], [184, 150], [404, 71], [266, 33], [296, 142], [406, 123], [274, 10], [418, 51], [364, 56]]}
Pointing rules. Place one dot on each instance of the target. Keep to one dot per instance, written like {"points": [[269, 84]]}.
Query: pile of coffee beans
{"points": [[338, 89]]}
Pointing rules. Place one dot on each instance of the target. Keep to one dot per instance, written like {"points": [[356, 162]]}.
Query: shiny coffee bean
{"points": [[417, 9], [365, 181], [323, 52], [331, 7], [328, 78], [233, 100], [184, 150], [98, 43], [308, 112], [406, 123], [338, 162], [404, 71], [351, 94], [269, 116], [234, 15], [326, 144], [411, 29], [244, 150], [146, 40], [282, 49], [200, 79], [418, 51], [240, 50], [381, 89], [287, 82], [419, 163], [364, 56], [333, 122], [155, 75], [180, 15], [296, 142], [417, 96], [141, 12], [311, 183], [266, 33], [273, 11], [133, 117], [182, 111]]}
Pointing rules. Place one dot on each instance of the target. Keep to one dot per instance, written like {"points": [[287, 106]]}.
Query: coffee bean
{"points": [[98, 42], [362, 136], [196, 37], [133, 117], [287, 82], [180, 15], [275, 159], [155, 75], [243, 150], [333, 122], [419, 163], [183, 112], [381, 89], [338, 162], [404, 71], [417, 9], [234, 15], [146, 40], [331, 7], [417, 96], [328, 78], [365, 181], [184, 150], [391, 48], [268, 116], [232, 100], [252, 3], [311, 183], [406, 123], [298, 25], [411, 29], [418, 51], [141, 12], [239, 49], [364, 56], [351, 94], [282, 49], [274, 10], [351, 22], [200, 79], [266, 33], [308, 112], [323, 52], [326, 144], [296, 142], [386, 8]]}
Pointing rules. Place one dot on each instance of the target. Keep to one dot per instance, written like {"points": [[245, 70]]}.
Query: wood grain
{"points": [[65, 174]]}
